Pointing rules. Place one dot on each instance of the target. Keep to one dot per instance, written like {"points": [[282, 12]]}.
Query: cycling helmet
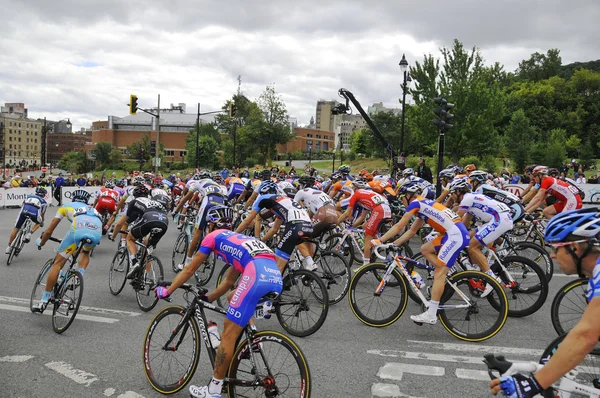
{"points": [[459, 184], [290, 192], [359, 183], [265, 175], [204, 174], [336, 176], [306, 181], [506, 176], [256, 174], [410, 186], [478, 175], [540, 170], [218, 178], [408, 172], [363, 172], [470, 167], [529, 169], [447, 173], [140, 190], [196, 177], [553, 172], [162, 199], [574, 225], [158, 183], [344, 169], [138, 180], [109, 184], [267, 187], [41, 192], [221, 216], [81, 196], [120, 183]]}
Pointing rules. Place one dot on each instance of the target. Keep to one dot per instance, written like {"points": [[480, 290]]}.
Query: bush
{"points": [[250, 162], [177, 166], [471, 160]]}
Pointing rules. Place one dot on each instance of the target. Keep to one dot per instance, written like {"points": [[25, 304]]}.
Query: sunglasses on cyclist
{"points": [[554, 246]]}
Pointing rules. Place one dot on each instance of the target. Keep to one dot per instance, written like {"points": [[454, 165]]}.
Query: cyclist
{"points": [[33, 207], [85, 224], [235, 187], [320, 206], [478, 181], [575, 240], [442, 251], [567, 197], [144, 216], [106, 201], [256, 264], [127, 197]]}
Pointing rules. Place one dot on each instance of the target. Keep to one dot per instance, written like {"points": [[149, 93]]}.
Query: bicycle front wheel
{"points": [[569, 305], [40, 284], [537, 254], [206, 270], [281, 366], [66, 301], [169, 368], [117, 275], [372, 305], [476, 318], [335, 273], [303, 304], [153, 273], [14, 247], [179, 251]]}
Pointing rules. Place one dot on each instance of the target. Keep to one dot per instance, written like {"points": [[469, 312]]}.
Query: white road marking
{"points": [[426, 356], [566, 276], [106, 311], [16, 358], [482, 349], [130, 394], [472, 374], [78, 376], [108, 392], [385, 390], [49, 312], [394, 370]]}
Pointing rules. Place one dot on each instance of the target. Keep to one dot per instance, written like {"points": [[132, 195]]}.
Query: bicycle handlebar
{"points": [[507, 368], [53, 240], [384, 246]]}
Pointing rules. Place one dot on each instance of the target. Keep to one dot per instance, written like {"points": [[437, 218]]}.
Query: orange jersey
{"points": [[436, 215], [381, 186], [344, 186]]}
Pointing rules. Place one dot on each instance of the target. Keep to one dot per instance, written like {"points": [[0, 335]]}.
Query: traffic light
{"points": [[133, 104], [152, 148], [444, 117], [232, 109]]}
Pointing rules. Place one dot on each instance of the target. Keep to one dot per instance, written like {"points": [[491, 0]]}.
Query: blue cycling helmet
{"points": [[268, 186], [574, 225], [410, 186], [221, 216], [81, 196], [41, 192]]}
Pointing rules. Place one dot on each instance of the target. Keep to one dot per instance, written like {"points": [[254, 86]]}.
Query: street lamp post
{"points": [[44, 135], [406, 79]]}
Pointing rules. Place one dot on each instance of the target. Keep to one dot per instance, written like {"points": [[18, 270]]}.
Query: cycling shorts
{"points": [[260, 277], [155, 223], [83, 227], [235, 190], [450, 244], [292, 235], [207, 203], [325, 218], [489, 232], [31, 212], [379, 214], [106, 205], [571, 204]]}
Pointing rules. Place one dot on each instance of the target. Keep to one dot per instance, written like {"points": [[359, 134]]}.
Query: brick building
{"points": [[308, 139], [60, 143]]}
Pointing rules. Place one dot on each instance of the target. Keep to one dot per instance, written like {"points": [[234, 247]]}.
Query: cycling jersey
{"points": [[140, 206], [33, 208], [567, 196], [344, 186], [70, 210], [85, 225], [252, 185], [287, 189], [256, 263], [147, 216], [107, 200], [313, 199], [594, 283], [377, 204], [158, 191], [495, 215], [208, 202], [517, 210], [283, 207], [235, 190], [381, 186]]}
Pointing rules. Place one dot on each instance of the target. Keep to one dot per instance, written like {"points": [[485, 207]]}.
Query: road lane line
{"points": [[482, 349], [16, 358], [106, 311], [78, 376], [49, 312], [395, 370], [426, 356], [387, 390], [130, 394], [109, 392], [472, 374]]}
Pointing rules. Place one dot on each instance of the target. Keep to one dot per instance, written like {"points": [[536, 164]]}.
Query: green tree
{"points": [[115, 158], [519, 138], [358, 142], [207, 151], [73, 162], [103, 150], [275, 128], [540, 66], [573, 145], [134, 149]]}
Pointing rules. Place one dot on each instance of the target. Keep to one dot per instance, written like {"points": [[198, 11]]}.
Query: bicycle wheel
{"points": [[169, 369], [153, 272], [281, 366], [206, 270], [588, 371], [537, 254], [179, 251], [14, 247], [345, 248], [373, 309], [480, 320], [222, 301], [569, 305], [303, 304], [530, 288], [40, 284], [117, 275], [67, 299], [335, 273]]}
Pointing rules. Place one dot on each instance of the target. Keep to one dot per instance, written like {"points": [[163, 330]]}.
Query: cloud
{"points": [[69, 58]]}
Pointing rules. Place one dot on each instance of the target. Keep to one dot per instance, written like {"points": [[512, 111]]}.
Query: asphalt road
{"points": [[101, 354]]}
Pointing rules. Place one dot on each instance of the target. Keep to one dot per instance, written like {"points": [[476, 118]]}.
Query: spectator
{"points": [[81, 181], [423, 171], [16, 181], [581, 178], [594, 178], [96, 182], [515, 179], [60, 181], [69, 181]]}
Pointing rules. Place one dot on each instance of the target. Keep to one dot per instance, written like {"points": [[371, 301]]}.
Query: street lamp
{"points": [[45, 131], [405, 79]]}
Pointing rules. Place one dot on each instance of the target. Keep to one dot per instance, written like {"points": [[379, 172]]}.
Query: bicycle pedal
{"points": [[418, 323]]}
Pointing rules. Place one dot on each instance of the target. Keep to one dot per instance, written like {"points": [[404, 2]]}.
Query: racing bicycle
{"points": [[19, 241]]}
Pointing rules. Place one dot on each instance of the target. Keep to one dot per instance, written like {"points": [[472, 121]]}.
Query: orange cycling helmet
{"points": [[469, 168]]}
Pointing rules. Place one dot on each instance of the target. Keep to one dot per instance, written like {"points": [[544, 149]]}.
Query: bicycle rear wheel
{"points": [[381, 309], [40, 284], [145, 296], [179, 251], [206, 270], [569, 305], [67, 299], [281, 365], [537, 254], [117, 275], [481, 319], [345, 248], [14, 247], [335, 273], [303, 304], [169, 369]]}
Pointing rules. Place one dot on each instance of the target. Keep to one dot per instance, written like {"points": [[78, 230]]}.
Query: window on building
{"points": [[10, 123], [27, 133], [182, 153], [19, 139], [169, 153], [10, 138], [318, 148], [27, 147], [326, 146], [36, 140], [318, 136], [309, 135], [10, 146], [19, 124]]}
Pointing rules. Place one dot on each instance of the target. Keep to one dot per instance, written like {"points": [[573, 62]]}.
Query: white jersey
{"points": [[158, 191], [483, 207], [313, 199]]}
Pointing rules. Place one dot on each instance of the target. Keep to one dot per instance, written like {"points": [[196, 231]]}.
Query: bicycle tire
{"points": [[526, 297], [206, 270], [542, 258], [222, 301], [73, 282], [573, 296], [24, 232], [145, 297], [475, 283], [13, 248], [345, 248], [363, 286], [153, 350], [40, 281], [119, 271], [182, 239], [335, 272], [275, 344], [305, 290]]}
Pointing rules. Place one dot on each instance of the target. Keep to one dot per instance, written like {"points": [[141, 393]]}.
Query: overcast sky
{"points": [[82, 58]]}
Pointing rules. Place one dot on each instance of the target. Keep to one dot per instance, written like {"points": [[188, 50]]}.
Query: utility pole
{"points": [[197, 135], [156, 158]]}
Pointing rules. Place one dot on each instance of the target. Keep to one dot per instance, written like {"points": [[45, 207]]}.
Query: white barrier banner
{"points": [[67, 193], [16, 196], [592, 191]]}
